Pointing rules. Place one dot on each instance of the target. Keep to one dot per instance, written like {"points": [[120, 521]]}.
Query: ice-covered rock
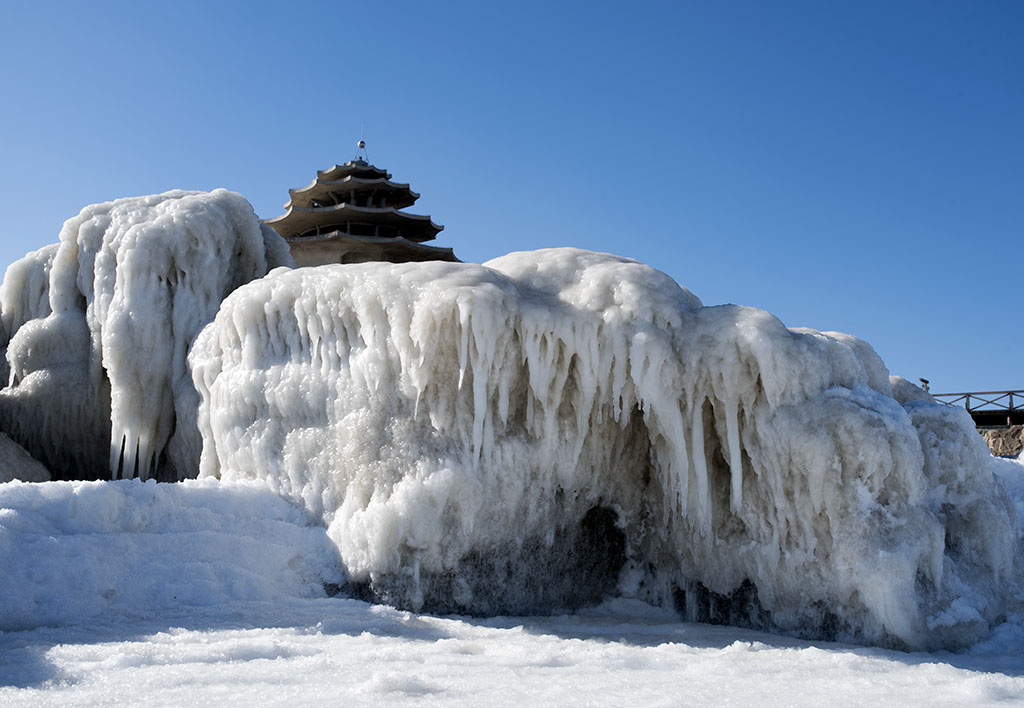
{"points": [[556, 426], [906, 392], [96, 330]]}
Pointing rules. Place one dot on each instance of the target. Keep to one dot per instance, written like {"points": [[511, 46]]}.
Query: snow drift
{"points": [[71, 551], [558, 426], [96, 330]]}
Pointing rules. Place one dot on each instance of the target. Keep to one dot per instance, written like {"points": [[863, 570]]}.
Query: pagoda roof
{"points": [[358, 168], [396, 247], [299, 220], [321, 187]]}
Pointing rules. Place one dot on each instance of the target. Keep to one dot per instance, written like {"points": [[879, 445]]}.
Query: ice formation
{"points": [[96, 330], [24, 296], [557, 426]]}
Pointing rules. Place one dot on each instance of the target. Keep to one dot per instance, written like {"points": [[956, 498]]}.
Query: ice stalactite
{"points": [[556, 426], [97, 330]]}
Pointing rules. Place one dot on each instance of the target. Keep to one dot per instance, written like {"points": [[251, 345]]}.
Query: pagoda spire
{"points": [[361, 146]]}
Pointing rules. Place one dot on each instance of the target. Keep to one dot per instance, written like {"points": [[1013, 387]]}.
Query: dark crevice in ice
{"points": [[579, 568], [739, 608]]}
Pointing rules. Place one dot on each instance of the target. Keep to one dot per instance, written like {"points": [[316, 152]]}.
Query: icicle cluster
{"points": [[556, 426], [96, 330]]}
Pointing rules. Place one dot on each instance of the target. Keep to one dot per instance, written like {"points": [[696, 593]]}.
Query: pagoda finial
{"points": [[361, 146]]}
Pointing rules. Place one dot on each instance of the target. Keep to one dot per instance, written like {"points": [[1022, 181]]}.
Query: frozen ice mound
{"points": [[555, 427], [95, 330], [71, 551]]}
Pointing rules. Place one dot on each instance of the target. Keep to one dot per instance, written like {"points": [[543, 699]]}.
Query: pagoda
{"points": [[351, 213]]}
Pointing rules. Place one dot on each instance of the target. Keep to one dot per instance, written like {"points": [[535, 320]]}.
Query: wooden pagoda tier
{"points": [[351, 213]]}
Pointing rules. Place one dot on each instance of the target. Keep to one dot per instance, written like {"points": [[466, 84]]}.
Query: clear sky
{"points": [[856, 166]]}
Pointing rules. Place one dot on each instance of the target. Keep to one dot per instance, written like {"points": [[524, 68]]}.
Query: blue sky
{"points": [[856, 166]]}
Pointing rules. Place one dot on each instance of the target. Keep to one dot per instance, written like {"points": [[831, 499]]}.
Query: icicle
{"points": [[116, 453], [463, 346], [503, 400], [700, 468], [480, 407], [130, 457], [669, 423], [732, 426]]}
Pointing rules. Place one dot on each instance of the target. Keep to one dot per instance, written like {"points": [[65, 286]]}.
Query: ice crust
{"points": [[557, 426], [96, 329]]}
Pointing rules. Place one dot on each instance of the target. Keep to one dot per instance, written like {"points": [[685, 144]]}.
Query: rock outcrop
{"points": [[1004, 442]]}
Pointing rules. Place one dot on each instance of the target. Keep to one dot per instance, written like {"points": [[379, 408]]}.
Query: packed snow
{"points": [[548, 433], [96, 330]]}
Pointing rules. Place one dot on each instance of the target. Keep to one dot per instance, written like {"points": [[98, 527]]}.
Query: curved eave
{"points": [[299, 220], [396, 245], [352, 168], [319, 188]]}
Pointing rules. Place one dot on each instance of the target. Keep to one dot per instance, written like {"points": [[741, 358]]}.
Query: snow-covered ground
{"points": [[345, 652], [206, 593]]}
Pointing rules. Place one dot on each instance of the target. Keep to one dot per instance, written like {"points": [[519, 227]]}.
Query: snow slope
{"points": [[87, 551]]}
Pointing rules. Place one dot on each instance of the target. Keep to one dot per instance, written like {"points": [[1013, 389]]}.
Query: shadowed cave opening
{"points": [[579, 568], [739, 608]]}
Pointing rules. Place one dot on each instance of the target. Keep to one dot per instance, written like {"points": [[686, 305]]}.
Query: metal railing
{"points": [[988, 408]]}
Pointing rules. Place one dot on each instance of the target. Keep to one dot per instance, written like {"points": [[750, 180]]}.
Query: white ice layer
{"points": [[96, 329], [560, 425]]}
